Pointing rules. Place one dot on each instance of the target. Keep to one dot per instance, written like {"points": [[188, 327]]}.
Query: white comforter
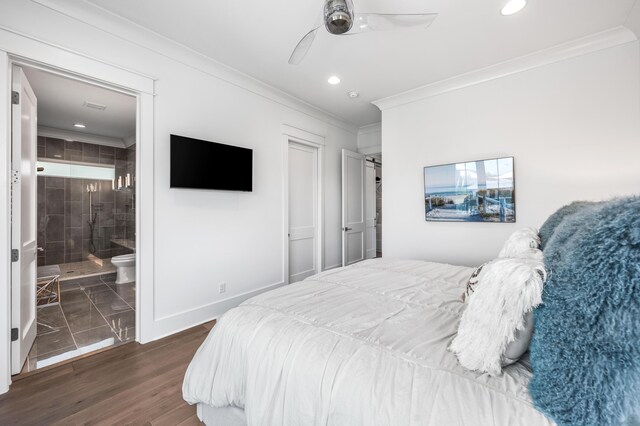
{"points": [[361, 345]]}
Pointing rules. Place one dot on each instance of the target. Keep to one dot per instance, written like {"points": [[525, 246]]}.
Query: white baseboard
{"points": [[175, 323], [338, 265]]}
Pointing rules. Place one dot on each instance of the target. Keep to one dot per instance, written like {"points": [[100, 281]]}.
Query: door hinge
{"points": [[15, 255], [15, 98], [14, 334], [15, 176]]}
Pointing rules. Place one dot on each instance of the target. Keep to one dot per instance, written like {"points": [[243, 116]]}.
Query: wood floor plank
{"points": [[175, 416], [130, 384]]}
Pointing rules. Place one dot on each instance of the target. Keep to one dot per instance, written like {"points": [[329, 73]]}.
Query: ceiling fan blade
{"points": [[365, 22], [303, 47]]}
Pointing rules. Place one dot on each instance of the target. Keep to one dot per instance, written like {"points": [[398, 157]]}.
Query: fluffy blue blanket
{"points": [[585, 352]]}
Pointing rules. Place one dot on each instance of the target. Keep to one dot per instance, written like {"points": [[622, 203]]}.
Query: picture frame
{"points": [[471, 191]]}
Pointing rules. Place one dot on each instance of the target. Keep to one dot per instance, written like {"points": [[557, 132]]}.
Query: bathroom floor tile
{"points": [[50, 319], [53, 341], [73, 296], [127, 292], [95, 339], [122, 321], [85, 319], [65, 287], [113, 306], [103, 295], [81, 307], [96, 289], [126, 334]]}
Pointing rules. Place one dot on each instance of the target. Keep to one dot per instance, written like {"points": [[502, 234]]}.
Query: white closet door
{"points": [[370, 209], [303, 211], [23, 218], [353, 210]]}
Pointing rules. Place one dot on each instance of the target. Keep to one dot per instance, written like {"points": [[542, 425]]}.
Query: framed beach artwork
{"points": [[473, 191]]}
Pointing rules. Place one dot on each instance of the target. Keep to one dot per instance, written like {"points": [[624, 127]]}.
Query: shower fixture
{"points": [[91, 188]]}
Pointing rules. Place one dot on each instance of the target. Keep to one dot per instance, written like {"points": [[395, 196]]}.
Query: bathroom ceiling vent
{"points": [[94, 105]]}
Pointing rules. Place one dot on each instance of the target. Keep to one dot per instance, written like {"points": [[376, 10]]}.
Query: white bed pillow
{"points": [[507, 290], [523, 243]]}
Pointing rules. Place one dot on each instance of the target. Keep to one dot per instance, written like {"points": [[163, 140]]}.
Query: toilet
{"points": [[125, 268]]}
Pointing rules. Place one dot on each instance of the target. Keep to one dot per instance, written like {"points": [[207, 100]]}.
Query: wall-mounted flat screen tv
{"points": [[473, 191], [202, 164]]}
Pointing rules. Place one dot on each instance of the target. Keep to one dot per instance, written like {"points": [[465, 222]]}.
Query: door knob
{"points": [[39, 249], [346, 228]]}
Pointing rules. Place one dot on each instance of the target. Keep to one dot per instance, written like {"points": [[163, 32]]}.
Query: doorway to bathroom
{"points": [[74, 151]]}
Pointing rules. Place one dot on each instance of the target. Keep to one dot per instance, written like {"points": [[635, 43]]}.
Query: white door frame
{"points": [[302, 137], [18, 50]]}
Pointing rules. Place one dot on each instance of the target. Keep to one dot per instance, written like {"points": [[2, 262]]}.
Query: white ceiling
{"points": [[257, 37], [61, 105]]}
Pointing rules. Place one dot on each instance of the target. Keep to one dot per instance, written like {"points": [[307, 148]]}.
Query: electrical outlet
{"points": [[222, 287]]}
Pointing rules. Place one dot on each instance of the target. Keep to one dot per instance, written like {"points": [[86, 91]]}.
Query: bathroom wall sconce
{"points": [[121, 184]]}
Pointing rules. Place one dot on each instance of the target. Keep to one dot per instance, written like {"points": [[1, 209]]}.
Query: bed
{"points": [[360, 345]]}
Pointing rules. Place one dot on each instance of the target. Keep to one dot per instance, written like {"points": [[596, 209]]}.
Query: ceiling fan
{"points": [[340, 19]]}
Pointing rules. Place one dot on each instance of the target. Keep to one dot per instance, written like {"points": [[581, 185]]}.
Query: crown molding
{"points": [[633, 19], [370, 128], [137, 35], [68, 135], [129, 141], [582, 46]]}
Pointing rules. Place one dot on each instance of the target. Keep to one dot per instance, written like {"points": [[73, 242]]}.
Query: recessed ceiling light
{"points": [[334, 79], [353, 94], [513, 6], [80, 125]]}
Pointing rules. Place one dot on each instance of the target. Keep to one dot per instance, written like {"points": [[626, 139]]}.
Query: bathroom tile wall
{"points": [[125, 200], [63, 205]]}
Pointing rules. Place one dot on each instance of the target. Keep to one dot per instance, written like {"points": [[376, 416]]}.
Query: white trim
{"points": [[336, 266], [302, 137], [189, 318], [5, 224], [145, 197], [129, 140], [370, 128], [582, 46], [135, 34], [57, 59], [371, 150], [80, 68], [298, 133], [51, 132]]}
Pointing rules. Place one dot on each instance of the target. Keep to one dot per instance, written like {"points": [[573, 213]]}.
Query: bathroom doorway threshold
{"points": [[25, 374]]}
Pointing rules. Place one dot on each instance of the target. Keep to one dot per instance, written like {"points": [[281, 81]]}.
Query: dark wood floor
{"points": [[131, 384]]}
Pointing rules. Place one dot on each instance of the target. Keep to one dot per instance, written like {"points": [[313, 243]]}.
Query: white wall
{"points": [[573, 127], [201, 237], [370, 139]]}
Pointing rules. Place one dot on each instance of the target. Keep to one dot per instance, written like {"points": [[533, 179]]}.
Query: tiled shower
{"points": [[64, 211]]}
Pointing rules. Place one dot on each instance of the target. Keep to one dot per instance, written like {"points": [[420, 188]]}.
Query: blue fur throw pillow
{"points": [[550, 225], [585, 352]]}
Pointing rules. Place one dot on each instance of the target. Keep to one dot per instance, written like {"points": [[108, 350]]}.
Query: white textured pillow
{"points": [[523, 243], [507, 290]]}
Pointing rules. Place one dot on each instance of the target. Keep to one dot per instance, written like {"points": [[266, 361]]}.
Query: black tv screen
{"points": [[202, 164]]}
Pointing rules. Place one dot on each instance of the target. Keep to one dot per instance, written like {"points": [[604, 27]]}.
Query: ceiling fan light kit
{"points": [[338, 18]]}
